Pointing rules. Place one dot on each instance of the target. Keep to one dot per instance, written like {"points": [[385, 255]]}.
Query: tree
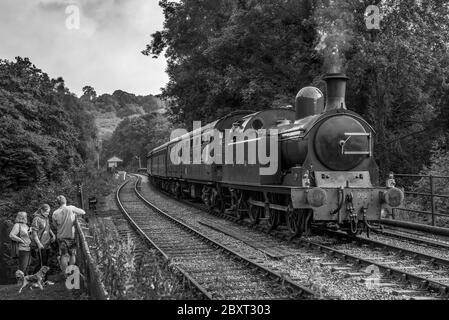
{"points": [[226, 55], [89, 93], [44, 131], [398, 78], [253, 54], [136, 136]]}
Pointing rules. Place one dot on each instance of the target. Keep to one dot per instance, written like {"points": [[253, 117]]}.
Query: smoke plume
{"points": [[333, 21]]}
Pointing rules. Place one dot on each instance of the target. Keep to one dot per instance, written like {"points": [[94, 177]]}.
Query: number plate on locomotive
{"points": [[361, 195]]}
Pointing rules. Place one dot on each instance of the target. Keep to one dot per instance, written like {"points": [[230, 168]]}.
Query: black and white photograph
{"points": [[224, 157]]}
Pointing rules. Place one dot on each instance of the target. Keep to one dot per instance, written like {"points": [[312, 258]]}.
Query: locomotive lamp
{"points": [[306, 180], [391, 183]]}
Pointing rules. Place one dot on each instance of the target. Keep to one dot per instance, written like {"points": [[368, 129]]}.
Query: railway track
{"points": [[422, 276], [214, 269], [427, 279], [432, 241], [402, 282]]}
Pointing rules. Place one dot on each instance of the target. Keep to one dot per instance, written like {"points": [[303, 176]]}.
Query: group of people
{"points": [[35, 241]]}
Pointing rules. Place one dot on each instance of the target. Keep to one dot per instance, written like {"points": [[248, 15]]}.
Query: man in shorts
{"points": [[64, 221]]}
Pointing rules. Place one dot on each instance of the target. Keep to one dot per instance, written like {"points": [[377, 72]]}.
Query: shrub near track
{"points": [[129, 270]]}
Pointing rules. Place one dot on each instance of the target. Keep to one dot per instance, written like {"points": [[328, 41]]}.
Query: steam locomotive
{"points": [[325, 170]]}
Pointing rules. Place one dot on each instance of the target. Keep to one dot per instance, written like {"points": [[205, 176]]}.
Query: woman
{"points": [[42, 236], [20, 233]]}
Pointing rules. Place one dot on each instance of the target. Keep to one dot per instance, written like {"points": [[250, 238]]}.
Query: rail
{"points": [[432, 194], [284, 280]]}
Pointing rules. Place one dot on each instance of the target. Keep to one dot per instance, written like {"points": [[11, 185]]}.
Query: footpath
{"points": [[58, 291]]}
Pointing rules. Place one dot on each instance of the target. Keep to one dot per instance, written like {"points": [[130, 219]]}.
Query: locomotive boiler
{"points": [[325, 168]]}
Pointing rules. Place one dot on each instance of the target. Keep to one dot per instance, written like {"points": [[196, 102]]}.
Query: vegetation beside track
{"points": [[129, 270]]}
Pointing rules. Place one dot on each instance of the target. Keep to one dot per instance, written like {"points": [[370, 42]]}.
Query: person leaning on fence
{"points": [[20, 234], [42, 236], [64, 221]]}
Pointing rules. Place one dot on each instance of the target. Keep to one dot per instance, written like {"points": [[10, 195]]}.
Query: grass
{"points": [[55, 292], [106, 124]]}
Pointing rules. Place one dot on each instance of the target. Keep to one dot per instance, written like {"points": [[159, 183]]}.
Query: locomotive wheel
{"points": [[294, 224], [242, 208], [205, 196], [216, 203], [220, 201], [254, 213], [308, 217], [212, 201], [274, 218], [178, 191]]}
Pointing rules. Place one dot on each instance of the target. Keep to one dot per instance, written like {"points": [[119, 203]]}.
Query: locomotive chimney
{"points": [[336, 90]]}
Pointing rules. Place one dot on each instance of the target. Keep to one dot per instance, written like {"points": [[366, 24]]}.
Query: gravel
{"points": [[303, 265]]}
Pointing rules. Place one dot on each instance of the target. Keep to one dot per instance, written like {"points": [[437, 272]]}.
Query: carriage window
{"points": [[257, 124]]}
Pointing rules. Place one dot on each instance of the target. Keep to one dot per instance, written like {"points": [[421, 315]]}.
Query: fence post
{"points": [[393, 210], [80, 190], [432, 199]]}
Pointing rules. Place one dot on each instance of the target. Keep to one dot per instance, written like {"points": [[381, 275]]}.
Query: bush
{"points": [[126, 275], [439, 166]]}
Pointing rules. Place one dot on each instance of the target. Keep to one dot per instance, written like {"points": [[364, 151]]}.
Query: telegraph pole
{"points": [[98, 147]]}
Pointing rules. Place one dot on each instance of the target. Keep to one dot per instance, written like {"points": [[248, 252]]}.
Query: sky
{"points": [[103, 50]]}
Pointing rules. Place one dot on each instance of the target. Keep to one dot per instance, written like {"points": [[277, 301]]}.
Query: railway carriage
{"points": [[325, 169]]}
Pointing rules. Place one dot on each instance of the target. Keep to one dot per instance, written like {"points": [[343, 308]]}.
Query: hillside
{"points": [[109, 110]]}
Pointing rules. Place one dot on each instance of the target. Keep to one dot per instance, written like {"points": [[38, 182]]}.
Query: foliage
{"points": [[128, 276], [122, 103], [226, 55], [439, 168], [45, 132], [398, 78], [89, 93], [252, 54], [136, 136]]}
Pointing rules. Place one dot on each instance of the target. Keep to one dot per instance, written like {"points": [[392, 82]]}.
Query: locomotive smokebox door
{"points": [[341, 143]]}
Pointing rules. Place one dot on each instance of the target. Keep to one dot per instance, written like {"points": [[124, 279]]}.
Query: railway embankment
{"points": [[127, 268]]}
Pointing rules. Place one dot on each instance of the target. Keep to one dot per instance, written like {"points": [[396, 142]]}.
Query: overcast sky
{"points": [[104, 52]]}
